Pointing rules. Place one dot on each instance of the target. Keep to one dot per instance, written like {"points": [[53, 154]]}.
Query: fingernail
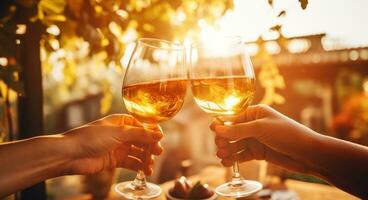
{"points": [[157, 135], [212, 127], [220, 129]]}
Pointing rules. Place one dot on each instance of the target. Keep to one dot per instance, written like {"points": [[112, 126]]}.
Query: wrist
{"points": [[56, 153], [317, 157]]}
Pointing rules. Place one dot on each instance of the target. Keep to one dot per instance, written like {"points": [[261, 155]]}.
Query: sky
{"points": [[345, 22]]}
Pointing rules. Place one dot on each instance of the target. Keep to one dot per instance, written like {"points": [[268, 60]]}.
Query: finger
{"points": [[144, 156], [238, 131], [140, 135], [123, 119], [155, 127], [117, 120], [250, 114], [221, 142], [122, 151], [269, 155], [132, 163], [137, 152], [240, 145], [155, 148], [215, 122], [137, 159], [110, 119], [243, 156], [226, 152]]}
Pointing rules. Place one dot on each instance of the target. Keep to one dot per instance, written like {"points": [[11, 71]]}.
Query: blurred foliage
{"points": [[269, 77], [351, 123], [303, 3], [84, 40], [348, 82], [308, 88]]}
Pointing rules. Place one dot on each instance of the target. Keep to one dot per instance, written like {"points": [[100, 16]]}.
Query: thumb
{"points": [[140, 135], [237, 131]]}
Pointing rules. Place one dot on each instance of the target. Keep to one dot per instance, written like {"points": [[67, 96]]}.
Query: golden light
{"points": [[179, 17], [365, 86], [211, 40], [364, 54], [128, 52], [54, 44], [354, 55], [122, 13], [53, 30], [231, 101], [252, 49], [272, 47], [3, 61], [21, 29], [115, 29], [298, 45]]}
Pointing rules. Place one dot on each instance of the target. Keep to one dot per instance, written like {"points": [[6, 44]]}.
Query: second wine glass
{"points": [[153, 91], [223, 85]]}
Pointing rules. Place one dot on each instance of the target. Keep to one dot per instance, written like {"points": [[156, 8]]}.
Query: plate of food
{"points": [[183, 188]]}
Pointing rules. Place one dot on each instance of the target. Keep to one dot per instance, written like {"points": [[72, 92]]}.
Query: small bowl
{"points": [[169, 197]]}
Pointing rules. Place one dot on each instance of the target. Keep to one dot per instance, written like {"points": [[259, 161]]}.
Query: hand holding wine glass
{"points": [[153, 91], [223, 85], [113, 141]]}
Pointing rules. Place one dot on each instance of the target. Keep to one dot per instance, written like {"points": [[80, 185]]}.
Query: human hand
{"points": [[262, 133], [114, 141]]}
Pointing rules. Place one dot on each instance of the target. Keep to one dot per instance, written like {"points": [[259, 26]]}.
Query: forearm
{"points": [[26, 162], [343, 164]]}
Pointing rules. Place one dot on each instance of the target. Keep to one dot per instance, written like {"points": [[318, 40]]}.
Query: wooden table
{"points": [[215, 176]]}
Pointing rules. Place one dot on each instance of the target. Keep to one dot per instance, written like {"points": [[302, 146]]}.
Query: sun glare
{"points": [[231, 101], [211, 39]]}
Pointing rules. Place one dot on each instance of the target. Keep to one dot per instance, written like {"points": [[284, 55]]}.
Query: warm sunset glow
{"points": [[53, 30], [253, 18], [232, 101], [365, 87]]}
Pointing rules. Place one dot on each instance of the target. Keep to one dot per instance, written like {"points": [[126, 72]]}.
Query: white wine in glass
{"points": [[153, 91], [223, 85]]}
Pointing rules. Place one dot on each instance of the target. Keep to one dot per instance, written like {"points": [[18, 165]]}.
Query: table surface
{"points": [[214, 176], [306, 191]]}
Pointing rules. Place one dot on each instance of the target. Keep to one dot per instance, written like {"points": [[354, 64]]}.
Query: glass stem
{"points": [[140, 180], [236, 179]]}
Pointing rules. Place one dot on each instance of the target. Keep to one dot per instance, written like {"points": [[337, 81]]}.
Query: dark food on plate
{"points": [[183, 189]]}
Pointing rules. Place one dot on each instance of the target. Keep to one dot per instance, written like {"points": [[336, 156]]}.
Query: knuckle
{"points": [[263, 106]]}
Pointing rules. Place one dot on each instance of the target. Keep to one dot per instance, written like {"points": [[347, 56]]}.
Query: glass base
{"points": [[129, 191], [243, 188]]}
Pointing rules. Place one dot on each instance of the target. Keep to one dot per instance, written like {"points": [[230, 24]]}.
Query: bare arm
{"points": [[345, 165], [28, 162], [114, 141], [265, 134]]}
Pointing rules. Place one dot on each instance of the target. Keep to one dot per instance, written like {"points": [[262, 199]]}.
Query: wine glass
{"points": [[223, 85], [153, 91]]}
